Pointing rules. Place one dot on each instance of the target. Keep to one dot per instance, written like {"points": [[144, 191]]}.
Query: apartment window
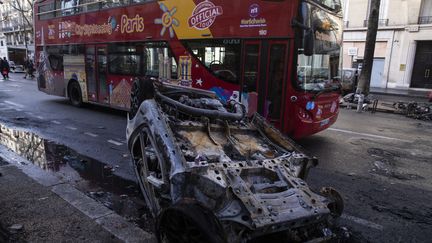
{"points": [[426, 12], [383, 13], [1, 43]]}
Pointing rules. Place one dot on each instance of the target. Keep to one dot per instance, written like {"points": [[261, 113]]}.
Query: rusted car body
{"points": [[208, 174]]}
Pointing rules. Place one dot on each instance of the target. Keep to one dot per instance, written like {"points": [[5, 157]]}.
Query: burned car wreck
{"points": [[209, 174]]}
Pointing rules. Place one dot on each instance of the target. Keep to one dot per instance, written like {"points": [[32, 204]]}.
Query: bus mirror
{"points": [[308, 42]]}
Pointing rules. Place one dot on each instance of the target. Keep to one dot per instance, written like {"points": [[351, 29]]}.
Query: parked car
{"points": [[348, 80], [14, 68]]}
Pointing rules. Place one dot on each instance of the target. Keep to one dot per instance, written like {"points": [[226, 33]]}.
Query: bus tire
{"points": [[75, 94], [142, 89]]}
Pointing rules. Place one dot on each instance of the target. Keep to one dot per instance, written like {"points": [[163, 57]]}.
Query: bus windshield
{"points": [[334, 5], [318, 71]]}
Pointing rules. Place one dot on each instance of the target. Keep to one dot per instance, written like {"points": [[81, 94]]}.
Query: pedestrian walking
{"points": [[1, 67], [29, 69], [5, 68]]}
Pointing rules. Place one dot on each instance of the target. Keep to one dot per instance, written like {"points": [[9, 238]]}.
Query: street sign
{"points": [[352, 51]]}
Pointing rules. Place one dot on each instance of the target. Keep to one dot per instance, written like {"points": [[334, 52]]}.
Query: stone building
{"points": [[16, 34], [403, 52]]}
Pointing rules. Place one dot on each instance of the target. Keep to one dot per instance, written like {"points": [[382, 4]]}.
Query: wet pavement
{"points": [[381, 163], [92, 177]]}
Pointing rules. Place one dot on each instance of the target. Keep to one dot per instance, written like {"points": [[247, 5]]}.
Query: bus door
{"points": [[92, 85], [264, 78], [101, 73]]}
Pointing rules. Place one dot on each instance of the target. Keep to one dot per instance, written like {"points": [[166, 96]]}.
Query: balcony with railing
{"points": [[425, 20], [15, 27], [381, 22]]}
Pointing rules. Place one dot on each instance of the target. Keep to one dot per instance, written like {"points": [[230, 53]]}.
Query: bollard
{"points": [[360, 103]]}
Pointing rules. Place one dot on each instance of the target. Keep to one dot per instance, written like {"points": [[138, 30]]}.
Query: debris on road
{"points": [[416, 110], [204, 168], [15, 228]]}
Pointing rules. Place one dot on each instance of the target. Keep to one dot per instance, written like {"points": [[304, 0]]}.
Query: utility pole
{"points": [[365, 76]]}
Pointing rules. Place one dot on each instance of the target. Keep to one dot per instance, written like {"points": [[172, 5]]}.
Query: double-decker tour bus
{"points": [[279, 58]]}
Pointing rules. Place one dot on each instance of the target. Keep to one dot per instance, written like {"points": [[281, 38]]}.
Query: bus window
{"points": [[221, 57], [159, 61], [46, 11], [114, 3], [251, 67], [140, 1], [91, 72], [68, 7], [90, 5], [275, 80], [56, 62], [124, 60]]}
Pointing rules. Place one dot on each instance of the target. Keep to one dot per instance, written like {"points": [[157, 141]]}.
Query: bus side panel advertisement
{"points": [[186, 19], [74, 69]]}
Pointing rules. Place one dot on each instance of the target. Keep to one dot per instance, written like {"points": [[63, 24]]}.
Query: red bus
{"points": [[277, 57]]}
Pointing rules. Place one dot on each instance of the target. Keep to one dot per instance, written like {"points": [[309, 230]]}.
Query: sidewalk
{"points": [[57, 212], [394, 95], [39, 215]]}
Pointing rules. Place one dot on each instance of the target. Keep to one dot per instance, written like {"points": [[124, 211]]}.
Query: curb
{"points": [[425, 96], [108, 219]]}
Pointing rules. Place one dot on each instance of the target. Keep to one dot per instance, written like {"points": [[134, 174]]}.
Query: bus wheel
{"points": [[142, 89], [75, 96]]}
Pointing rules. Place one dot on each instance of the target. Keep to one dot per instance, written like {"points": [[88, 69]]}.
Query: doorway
{"points": [[377, 72], [263, 78], [422, 71]]}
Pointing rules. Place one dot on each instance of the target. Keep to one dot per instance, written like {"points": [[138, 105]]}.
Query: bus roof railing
{"points": [[77, 9], [69, 8]]}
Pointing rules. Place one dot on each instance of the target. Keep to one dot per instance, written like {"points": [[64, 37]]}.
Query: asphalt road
{"points": [[380, 163]]}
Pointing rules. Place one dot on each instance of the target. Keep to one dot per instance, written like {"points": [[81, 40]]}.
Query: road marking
{"points": [[71, 128], [13, 85], [29, 113], [114, 142], [18, 109], [368, 135], [5, 108], [39, 117], [363, 222], [91, 134], [56, 122], [13, 103], [6, 90]]}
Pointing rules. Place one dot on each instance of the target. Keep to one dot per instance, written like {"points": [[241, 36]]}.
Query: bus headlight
{"points": [[304, 114]]}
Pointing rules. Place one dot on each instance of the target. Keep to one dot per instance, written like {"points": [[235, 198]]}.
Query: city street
{"points": [[380, 163]]}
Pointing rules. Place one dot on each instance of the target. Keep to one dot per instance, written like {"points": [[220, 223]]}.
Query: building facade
{"points": [[16, 34], [403, 51]]}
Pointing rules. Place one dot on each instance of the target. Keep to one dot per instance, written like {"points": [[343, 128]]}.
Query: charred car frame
{"points": [[209, 174]]}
